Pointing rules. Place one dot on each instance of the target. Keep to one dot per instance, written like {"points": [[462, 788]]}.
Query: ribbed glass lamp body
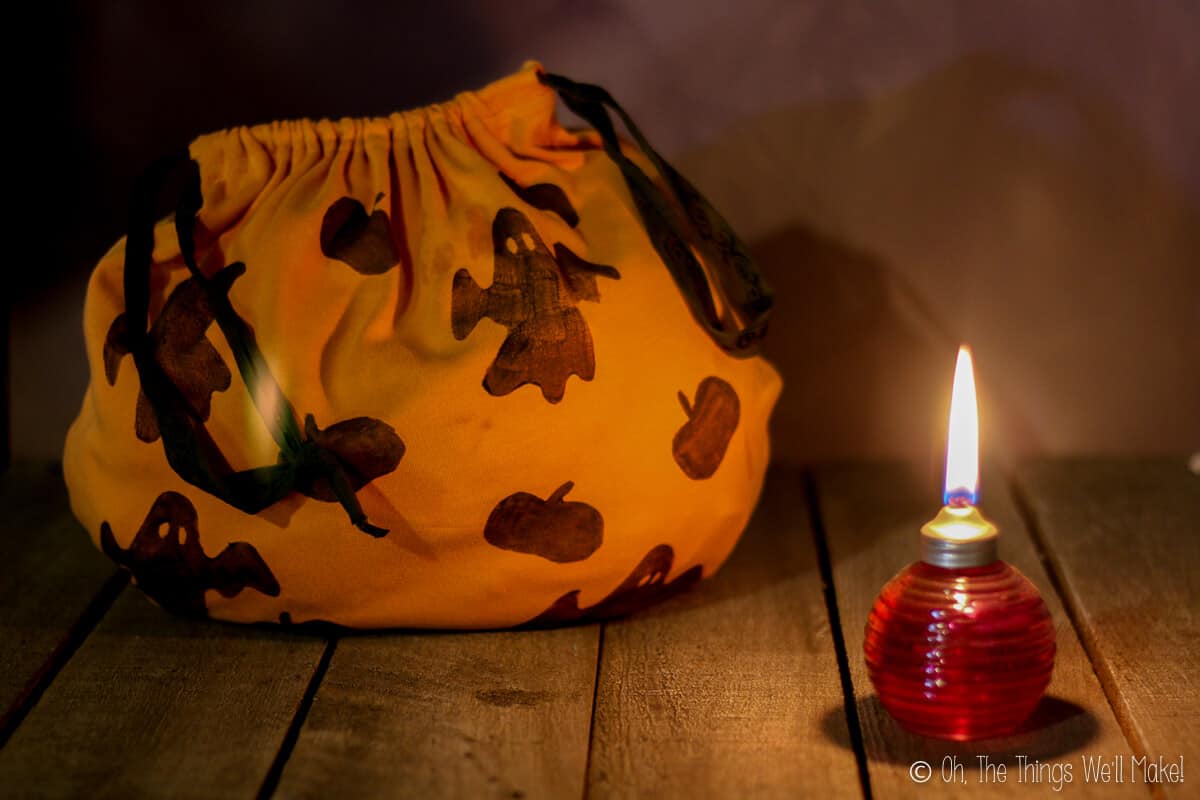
{"points": [[960, 653]]}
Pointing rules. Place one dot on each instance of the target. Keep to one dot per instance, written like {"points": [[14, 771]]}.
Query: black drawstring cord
{"points": [[189, 448], [742, 285]]}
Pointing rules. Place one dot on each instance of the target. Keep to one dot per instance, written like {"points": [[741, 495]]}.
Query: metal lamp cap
{"points": [[958, 537]]}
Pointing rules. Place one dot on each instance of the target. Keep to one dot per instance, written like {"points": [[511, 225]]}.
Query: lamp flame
{"points": [[962, 445]]}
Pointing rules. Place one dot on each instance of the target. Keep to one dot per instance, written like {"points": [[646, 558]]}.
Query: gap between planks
{"points": [[853, 723], [56, 589], [446, 713], [153, 704], [271, 780], [60, 655], [1121, 536], [1071, 608], [587, 764], [732, 689], [733, 685]]}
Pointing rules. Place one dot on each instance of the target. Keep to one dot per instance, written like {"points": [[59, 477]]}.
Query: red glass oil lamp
{"points": [[960, 645]]}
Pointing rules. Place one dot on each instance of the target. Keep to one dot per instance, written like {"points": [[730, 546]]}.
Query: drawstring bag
{"points": [[458, 367]]}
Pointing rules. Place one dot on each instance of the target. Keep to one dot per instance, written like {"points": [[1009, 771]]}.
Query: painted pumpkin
{"points": [[458, 367]]}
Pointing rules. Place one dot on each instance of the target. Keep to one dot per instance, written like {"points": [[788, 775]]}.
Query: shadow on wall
{"points": [[989, 202], [852, 348]]}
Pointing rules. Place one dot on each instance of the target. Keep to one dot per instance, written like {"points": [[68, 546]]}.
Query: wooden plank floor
{"points": [[752, 685], [498, 713], [51, 575], [1124, 537], [722, 693]]}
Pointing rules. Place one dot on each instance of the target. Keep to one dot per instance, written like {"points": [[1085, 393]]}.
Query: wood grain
{"points": [[51, 573], [497, 714], [154, 705], [731, 690], [871, 517], [1124, 540]]}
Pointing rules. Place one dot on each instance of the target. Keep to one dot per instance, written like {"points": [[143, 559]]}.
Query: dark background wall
{"points": [[1021, 175]]}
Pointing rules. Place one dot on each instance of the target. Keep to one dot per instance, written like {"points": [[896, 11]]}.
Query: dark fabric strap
{"points": [[189, 448], [677, 224]]}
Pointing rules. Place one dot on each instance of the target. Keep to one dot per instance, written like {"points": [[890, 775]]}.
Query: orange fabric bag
{"points": [[425, 370]]}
